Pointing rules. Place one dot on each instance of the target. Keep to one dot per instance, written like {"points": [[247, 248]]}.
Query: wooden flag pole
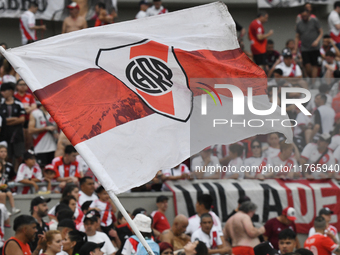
{"points": [[130, 221]]}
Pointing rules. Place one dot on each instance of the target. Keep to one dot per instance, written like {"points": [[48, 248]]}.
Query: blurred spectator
{"points": [[265, 248], [239, 202], [282, 165], [143, 6], [310, 33], [323, 116], [258, 38], [53, 242], [29, 104], [195, 248], [4, 222], [73, 241], [67, 167], [241, 231], [86, 192], [91, 225], [203, 205], [331, 231], [328, 45], [309, 7], [65, 226], [175, 235], [255, 161], [133, 245], [303, 130], [160, 222], [124, 230], [91, 248], [208, 234], [325, 89], [179, 172], [73, 22], [9, 172], [103, 18], [235, 163], [287, 241], [14, 113], [240, 30], [156, 9], [50, 177], [273, 140], [166, 249], [62, 143], [288, 67], [27, 24], [39, 210], [107, 218], [2, 58], [200, 165], [314, 154], [334, 23], [43, 129], [271, 54], [320, 243], [60, 209], [25, 232], [335, 141], [275, 225], [5, 191], [29, 173], [9, 73], [328, 66]]}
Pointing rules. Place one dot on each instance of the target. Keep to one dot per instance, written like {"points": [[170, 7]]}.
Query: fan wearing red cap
{"points": [[331, 231], [73, 22], [275, 225]]}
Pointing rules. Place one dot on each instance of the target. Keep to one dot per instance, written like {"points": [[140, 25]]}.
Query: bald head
{"points": [[180, 224]]}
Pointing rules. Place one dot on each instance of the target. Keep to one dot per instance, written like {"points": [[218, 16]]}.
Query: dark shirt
{"points": [[272, 57], [41, 230]]}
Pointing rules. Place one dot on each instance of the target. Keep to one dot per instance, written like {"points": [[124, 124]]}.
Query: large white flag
{"points": [[132, 97]]}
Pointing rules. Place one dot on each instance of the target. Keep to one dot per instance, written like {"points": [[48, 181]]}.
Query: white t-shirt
{"points": [[281, 168], [326, 115], [253, 162], [198, 163], [83, 198], [24, 172], [195, 223], [152, 11], [212, 241], [181, 169], [271, 152], [311, 153], [289, 71], [141, 14], [234, 166], [27, 20], [301, 119], [333, 19], [335, 142], [105, 212], [100, 237]]}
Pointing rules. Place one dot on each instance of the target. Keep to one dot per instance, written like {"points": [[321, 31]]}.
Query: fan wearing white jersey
{"points": [[156, 9], [235, 163], [208, 234], [252, 164], [273, 140], [203, 205], [178, 172], [27, 24]]}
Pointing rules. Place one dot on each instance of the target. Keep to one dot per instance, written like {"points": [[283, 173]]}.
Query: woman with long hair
{"points": [[73, 241], [253, 163], [53, 242]]}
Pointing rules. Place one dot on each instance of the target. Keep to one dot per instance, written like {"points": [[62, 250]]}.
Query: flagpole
{"points": [[130, 221]]}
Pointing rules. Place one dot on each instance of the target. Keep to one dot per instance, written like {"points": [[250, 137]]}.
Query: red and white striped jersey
{"points": [[24, 172], [44, 141], [63, 170], [106, 213], [178, 171], [27, 20], [212, 241]]}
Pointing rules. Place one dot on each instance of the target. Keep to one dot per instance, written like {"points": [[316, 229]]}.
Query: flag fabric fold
{"points": [[128, 95]]}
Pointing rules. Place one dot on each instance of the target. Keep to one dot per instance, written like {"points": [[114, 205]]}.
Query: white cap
{"points": [[143, 223]]}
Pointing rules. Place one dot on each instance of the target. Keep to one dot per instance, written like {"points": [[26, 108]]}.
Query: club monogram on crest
{"points": [[149, 75]]}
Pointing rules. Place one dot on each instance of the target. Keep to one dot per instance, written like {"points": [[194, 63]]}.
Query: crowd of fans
{"points": [[36, 157]]}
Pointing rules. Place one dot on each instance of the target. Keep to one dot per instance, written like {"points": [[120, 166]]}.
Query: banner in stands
{"points": [[288, 3], [271, 196], [51, 10]]}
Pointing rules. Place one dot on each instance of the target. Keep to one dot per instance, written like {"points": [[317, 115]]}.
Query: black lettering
{"points": [[223, 201], [188, 201], [13, 5], [267, 207]]}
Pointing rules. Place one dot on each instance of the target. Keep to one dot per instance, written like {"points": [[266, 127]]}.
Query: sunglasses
{"points": [[255, 146], [168, 252]]}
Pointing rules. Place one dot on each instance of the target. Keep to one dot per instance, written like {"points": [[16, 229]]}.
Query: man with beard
{"points": [[39, 210], [25, 228]]}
